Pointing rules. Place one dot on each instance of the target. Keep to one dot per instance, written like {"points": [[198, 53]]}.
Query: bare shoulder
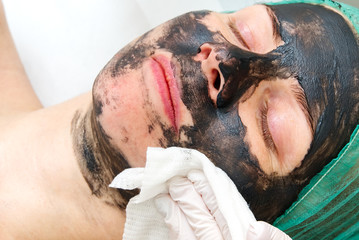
{"points": [[5, 231], [42, 190], [30, 213], [4, 234]]}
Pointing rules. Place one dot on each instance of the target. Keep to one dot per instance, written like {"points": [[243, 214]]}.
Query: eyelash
{"points": [[268, 140]]}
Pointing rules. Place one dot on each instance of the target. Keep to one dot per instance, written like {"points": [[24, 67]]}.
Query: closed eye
{"points": [[237, 33], [268, 140]]}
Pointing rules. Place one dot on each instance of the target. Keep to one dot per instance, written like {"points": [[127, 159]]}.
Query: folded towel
{"points": [[143, 221]]}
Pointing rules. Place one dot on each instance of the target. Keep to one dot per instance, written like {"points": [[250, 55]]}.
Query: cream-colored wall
{"points": [[354, 3]]}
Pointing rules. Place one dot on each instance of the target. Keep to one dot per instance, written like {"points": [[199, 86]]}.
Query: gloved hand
{"points": [[191, 212], [264, 231]]}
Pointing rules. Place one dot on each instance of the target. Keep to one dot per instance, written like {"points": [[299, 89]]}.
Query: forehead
{"points": [[320, 42], [315, 19]]}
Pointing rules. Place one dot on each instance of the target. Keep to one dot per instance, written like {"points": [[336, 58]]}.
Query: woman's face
{"points": [[227, 85]]}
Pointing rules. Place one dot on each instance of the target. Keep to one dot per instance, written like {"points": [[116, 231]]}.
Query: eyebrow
{"points": [[303, 104], [275, 23]]}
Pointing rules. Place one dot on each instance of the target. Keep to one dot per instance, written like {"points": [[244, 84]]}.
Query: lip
{"points": [[163, 72]]}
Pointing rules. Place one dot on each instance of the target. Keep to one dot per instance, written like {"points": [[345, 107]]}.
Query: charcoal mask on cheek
{"points": [[325, 64], [223, 139]]}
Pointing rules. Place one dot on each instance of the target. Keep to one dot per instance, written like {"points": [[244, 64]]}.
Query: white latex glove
{"points": [[264, 231], [191, 212]]}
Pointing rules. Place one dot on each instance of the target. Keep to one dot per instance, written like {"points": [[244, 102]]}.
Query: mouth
{"points": [[163, 71]]}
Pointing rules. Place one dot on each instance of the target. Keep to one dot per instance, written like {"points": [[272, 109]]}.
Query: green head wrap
{"points": [[329, 206]]}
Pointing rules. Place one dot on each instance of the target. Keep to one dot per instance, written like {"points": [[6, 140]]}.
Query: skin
{"points": [[56, 163], [13, 79], [247, 108]]}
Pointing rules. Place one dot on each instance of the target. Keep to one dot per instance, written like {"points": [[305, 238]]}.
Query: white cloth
{"points": [[142, 218]]}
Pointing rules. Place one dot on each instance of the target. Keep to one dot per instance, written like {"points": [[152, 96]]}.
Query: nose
{"points": [[231, 71], [210, 68]]}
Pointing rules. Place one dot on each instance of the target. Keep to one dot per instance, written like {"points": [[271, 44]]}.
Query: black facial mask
{"points": [[325, 63], [321, 51]]}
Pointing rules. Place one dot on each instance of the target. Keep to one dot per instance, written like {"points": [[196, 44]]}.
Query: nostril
{"points": [[203, 52], [210, 69], [217, 82]]}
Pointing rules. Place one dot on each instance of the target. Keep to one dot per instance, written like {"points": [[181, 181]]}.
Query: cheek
{"points": [[118, 102], [126, 117]]}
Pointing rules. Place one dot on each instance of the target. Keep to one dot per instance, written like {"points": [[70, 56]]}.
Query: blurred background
{"points": [[354, 3], [63, 44]]}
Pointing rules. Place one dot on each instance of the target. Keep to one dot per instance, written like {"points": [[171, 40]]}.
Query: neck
{"points": [[99, 161]]}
